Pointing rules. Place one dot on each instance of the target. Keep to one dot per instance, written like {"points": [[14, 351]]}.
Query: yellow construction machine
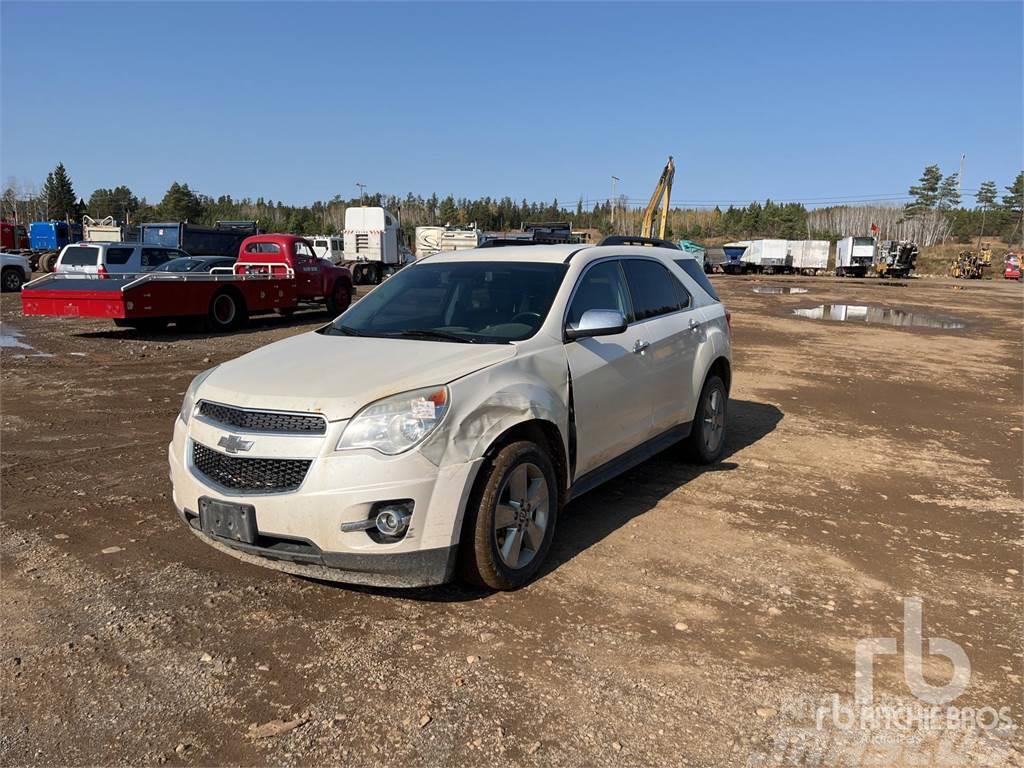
{"points": [[660, 202], [969, 265]]}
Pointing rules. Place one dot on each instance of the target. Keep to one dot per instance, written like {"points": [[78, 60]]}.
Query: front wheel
{"points": [[227, 311], [707, 436], [510, 521], [11, 279]]}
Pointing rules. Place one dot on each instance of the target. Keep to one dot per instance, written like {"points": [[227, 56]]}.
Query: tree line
{"points": [[934, 214]]}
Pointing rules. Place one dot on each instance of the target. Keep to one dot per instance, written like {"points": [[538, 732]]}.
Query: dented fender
{"points": [[533, 384]]}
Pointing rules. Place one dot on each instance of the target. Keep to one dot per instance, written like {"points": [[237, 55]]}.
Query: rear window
{"points": [[80, 256], [119, 255], [262, 248], [694, 270]]}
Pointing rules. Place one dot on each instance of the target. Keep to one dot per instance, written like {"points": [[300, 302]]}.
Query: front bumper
{"points": [[300, 532]]}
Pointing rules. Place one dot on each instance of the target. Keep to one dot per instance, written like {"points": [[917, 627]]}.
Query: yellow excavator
{"points": [[659, 203]]}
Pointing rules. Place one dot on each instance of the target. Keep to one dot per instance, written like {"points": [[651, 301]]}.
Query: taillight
{"points": [[102, 271], [728, 321]]}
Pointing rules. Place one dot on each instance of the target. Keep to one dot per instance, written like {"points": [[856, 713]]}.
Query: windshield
{"points": [[486, 302], [178, 265]]}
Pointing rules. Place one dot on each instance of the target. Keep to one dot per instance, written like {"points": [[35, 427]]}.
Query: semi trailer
{"points": [[854, 256], [808, 257]]}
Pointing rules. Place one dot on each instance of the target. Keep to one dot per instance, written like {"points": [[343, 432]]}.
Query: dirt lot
{"points": [[689, 616]]}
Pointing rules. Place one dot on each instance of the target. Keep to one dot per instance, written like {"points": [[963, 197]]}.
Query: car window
{"points": [[320, 244], [154, 257], [488, 302], [653, 289], [262, 248], [79, 256], [301, 249], [696, 271], [601, 287], [119, 255], [179, 265]]}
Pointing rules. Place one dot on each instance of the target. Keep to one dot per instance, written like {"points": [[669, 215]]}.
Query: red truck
{"points": [[278, 273], [13, 237]]}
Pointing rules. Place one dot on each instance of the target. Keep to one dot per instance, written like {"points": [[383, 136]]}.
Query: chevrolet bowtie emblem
{"points": [[234, 444]]}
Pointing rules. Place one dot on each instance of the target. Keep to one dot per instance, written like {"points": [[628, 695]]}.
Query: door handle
{"points": [[694, 325], [640, 346]]}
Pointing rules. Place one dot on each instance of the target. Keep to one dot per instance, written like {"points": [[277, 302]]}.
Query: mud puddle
{"points": [[10, 338], [863, 313]]}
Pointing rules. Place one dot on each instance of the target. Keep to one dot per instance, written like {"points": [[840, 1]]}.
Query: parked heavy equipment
{"points": [[659, 203], [968, 265], [896, 258]]}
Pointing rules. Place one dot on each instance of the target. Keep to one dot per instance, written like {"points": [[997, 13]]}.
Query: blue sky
{"points": [[298, 102]]}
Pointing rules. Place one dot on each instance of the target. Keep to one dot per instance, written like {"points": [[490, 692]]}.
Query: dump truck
{"points": [[733, 263], [222, 239], [13, 237], [854, 256], [106, 230], [807, 257]]}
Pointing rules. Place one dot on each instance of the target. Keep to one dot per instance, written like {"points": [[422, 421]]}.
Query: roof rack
{"points": [[637, 240]]}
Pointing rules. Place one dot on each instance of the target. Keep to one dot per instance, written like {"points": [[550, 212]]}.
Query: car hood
{"points": [[338, 375]]}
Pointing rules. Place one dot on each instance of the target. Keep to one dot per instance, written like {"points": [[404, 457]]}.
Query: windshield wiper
{"points": [[433, 334], [344, 330]]}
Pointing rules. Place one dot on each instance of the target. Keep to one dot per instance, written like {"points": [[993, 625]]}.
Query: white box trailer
{"points": [[428, 241], [854, 256], [765, 256], [371, 244], [808, 256]]}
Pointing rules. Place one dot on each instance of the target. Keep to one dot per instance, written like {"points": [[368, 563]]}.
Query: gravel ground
{"points": [[689, 616]]}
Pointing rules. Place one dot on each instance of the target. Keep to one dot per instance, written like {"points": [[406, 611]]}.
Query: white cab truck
{"points": [[438, 426], [854, 256], [765, 256], [808, 257], [371, 243], [328, 247]]}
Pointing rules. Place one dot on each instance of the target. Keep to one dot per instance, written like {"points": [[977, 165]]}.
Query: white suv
{"points": [[113, 258], [439, 425]]}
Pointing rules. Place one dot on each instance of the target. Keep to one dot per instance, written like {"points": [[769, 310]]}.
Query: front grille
{"points": [[263, 421], [250, 475]]}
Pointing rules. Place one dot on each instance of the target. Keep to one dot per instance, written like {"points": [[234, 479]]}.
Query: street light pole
{"points": [[615, 179], [361, 188]]}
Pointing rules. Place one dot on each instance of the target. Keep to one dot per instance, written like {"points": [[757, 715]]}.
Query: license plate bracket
{"points": [[228, 520]]}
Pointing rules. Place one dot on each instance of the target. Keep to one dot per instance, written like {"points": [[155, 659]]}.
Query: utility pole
{"points": [[615, 180], [960, 178], [361, 188]]}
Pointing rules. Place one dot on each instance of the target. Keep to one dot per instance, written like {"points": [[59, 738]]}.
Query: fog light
{"points": [[393, 521]]}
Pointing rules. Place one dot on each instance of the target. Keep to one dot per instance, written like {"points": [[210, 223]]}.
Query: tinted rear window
{"points": [[80, 256], [119, 255], [694, 270], [654, 290]]}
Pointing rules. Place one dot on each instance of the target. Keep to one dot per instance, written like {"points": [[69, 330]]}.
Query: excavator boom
{"points": [[660, 201]]}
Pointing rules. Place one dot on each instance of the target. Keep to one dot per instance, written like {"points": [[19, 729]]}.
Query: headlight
{"points": [[189, 403], [395, 424]]}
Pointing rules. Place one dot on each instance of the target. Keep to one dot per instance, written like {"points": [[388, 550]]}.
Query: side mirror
{"points": [[598, 322]]}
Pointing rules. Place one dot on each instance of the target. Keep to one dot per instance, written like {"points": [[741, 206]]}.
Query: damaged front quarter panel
{"points": [[534, 384]]}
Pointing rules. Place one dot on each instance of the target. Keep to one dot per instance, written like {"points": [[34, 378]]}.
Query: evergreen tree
{"points": [[986, 198], [926, 191], [61, 201], [949, 193], [181, 204], [1013, 205]]}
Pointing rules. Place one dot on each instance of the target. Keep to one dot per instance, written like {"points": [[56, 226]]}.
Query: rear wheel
{"points": [[510, 520], [47, 262], [707, 436], [227, 311], [11, 279]]}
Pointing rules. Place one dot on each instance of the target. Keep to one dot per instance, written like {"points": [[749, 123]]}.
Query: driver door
{"points": [[609, 374]]}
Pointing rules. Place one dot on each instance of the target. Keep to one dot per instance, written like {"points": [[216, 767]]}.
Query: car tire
{"points": [[47, 262], [707, 435], [11, 279], [227, 311], [519, 487], [340, 298]]}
